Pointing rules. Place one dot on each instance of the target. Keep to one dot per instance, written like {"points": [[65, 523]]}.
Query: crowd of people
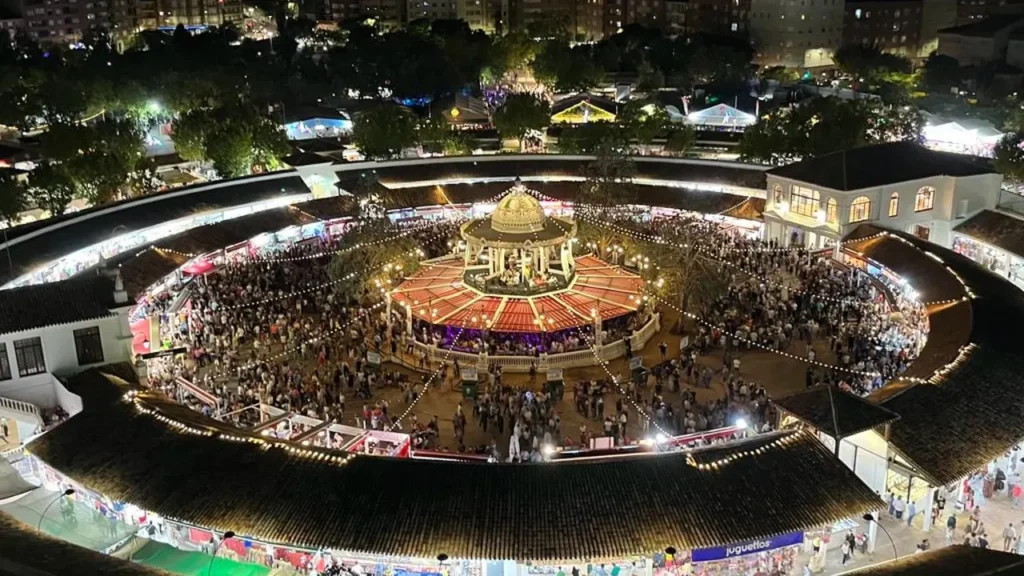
{"points": [[267, 331]]}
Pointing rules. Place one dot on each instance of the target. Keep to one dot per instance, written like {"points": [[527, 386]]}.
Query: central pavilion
{"points": [[518, 274]]}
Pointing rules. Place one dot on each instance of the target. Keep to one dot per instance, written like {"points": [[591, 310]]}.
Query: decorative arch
{"points": [[860, 209]]}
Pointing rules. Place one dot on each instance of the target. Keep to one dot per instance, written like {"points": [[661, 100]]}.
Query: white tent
{"points": [[721, 116]]}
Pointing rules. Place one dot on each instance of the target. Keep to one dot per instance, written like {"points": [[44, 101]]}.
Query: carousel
{"points": [[518, 275]]}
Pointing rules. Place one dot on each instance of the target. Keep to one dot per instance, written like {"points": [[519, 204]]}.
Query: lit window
{"points": [[857, 13], [924, 199], [831, 211], [894, 205], [5, 363], [778, 195], [805, 201], [860, 210]]}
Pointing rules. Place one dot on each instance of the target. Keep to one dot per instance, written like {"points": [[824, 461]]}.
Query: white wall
{"points": [[864, 453], [61, 358], [954, 200]]}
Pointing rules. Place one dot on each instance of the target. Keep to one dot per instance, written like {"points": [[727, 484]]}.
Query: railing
{"points": [[574, 359], [19, 406]]}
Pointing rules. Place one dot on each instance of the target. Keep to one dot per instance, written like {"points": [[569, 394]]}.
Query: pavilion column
{"points": [[408, 320], [466, 256]]}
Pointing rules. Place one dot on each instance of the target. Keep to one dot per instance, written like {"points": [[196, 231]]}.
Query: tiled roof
{"points": [[976, 413], [571, 510], [996, 228], [956, 560], [880, 165], [436, 293], [56, 303], [24, 550], [835, 412]]}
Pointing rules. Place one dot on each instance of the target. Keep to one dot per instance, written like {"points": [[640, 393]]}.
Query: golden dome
{"points": [[518, 212]]}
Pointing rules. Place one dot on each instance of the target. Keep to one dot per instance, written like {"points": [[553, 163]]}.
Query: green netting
{"points": [[158, 555]]}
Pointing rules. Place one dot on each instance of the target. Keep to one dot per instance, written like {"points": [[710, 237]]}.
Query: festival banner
{"points": [[748, 547]]}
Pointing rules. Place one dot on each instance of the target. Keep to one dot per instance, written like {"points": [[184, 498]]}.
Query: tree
{"points": [[233, 137], [680, 140], [52, 188], [608, 180], [435, 136], [1009, 157], [566, 68], [520, 114], [683, 269], [384, 131], [940, 73], [824, 125], [643, 123], [12, 198], [587, 138]]}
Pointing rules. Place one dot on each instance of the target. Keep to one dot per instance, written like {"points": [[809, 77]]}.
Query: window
{"points": [[5, 364], [778, 195], [804, 201], [924, 199], [894, 205], [831, 211], [89, 346], [29, 355], [860, 210]]}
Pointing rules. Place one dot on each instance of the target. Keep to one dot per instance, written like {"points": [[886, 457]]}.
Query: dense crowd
{"points": [[263, 332]]}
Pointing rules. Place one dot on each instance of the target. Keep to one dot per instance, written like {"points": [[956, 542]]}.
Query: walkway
{"points": [[87, 528]]}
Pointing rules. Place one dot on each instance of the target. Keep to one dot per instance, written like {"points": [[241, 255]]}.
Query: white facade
{"points": [[818, 217], [796, 33], [61, 356]]}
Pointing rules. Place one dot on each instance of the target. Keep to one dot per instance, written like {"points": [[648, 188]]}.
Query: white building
{"points": [[979, 42], [900, 186], [59, 329], [796, 34]]}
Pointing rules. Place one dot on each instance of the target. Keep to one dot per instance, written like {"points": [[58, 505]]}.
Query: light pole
{"points": [[871, 518], [227, 535], [68, 492]]}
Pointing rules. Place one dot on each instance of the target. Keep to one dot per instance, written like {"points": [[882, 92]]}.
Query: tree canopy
{"points": [[822, 125], [520, 114]]}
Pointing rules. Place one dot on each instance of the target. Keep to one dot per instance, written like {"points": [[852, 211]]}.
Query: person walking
{"points": [[950, 529], [846, 551], [1009, 535], [911, 512]]}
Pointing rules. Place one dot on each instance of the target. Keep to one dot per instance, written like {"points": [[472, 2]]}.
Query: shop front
{"points": [[774, 555]]}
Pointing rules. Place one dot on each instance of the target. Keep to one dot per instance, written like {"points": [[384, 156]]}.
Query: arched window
{"points": [[860, 210], [831, 211], [894, 205], [778, 195], [804, 201], [924, 199]]}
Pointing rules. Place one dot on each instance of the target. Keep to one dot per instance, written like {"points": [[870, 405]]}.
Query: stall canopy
{"points": [[709, 497], [835, 412], [583, 108], [721, 116]]}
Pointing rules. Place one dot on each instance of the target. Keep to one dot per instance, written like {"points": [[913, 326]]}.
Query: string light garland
{"points": [[716, 464], [615, 380], [643, 237], [430, 379], [288, 446], [736, 335], [940, 374]]}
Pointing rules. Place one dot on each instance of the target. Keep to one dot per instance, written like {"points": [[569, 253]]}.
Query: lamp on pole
{"points": [[871, 518], [227, 535], [42, 516]]}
